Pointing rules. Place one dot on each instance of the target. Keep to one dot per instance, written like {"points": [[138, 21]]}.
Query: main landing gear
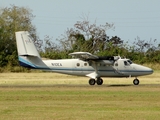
{"points": [[99, 81], [136, 81]]}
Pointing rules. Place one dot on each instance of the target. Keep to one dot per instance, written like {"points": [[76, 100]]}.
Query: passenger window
{"points": [[85, 64], [116, 64], [90, 63], [78, 64]]}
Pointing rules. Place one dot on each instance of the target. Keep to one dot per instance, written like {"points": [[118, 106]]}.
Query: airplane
{"points": [[81, 64]]}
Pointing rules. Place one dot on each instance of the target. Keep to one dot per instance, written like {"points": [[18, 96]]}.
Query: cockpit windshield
{"points": [[129, 61]]}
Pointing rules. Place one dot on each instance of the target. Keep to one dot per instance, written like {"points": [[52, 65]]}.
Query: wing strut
{"points": [[94, 74]]}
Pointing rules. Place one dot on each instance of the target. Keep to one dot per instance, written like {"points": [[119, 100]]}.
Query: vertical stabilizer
{"points": [[25, 44]]}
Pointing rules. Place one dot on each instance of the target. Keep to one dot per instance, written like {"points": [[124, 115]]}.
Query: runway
{"points": [[78, 86]]}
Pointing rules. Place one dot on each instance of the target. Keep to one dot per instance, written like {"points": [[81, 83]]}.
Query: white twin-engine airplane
{"points": [[83, 64]]}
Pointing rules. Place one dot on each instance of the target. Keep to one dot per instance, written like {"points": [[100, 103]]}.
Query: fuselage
{"points": [[105, 68]]}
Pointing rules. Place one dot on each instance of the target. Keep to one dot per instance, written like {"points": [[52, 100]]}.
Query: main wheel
{"points": [[99, 81], [92, 81], [136, 82]]}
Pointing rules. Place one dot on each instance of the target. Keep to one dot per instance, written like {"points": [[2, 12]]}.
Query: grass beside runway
{"points": [[46, 96]]}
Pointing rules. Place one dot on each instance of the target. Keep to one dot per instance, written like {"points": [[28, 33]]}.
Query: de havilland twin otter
{"points": [[82, 64]]}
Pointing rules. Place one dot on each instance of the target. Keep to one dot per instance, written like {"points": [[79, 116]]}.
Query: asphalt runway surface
{"points": [[80, 86]]}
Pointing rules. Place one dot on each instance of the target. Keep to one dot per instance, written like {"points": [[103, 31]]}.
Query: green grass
{"points": [[22, 97], [80, 102]]}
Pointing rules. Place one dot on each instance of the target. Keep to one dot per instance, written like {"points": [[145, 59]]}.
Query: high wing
{"points": [[84, 56]]}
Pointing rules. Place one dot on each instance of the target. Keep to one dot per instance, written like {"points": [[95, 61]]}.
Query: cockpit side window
{"points": [[125, 63]]}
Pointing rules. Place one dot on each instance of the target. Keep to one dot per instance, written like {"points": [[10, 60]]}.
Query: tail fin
{"points": [[25, 44], [27, 53]]}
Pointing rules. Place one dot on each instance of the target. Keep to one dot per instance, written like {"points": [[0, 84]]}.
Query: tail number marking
{"points": [[56, 64]]}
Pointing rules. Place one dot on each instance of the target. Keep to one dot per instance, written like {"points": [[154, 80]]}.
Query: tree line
{"points": [[84, 36]]}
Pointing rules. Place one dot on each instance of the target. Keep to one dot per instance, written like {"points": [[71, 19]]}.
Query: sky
{"points": [[131, 18]]}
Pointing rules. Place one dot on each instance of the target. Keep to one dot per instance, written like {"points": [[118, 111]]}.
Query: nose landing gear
{"points": [[136, 81], [92, 81]]}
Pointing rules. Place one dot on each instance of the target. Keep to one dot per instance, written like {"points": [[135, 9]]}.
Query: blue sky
{"points": [[131, 18]]}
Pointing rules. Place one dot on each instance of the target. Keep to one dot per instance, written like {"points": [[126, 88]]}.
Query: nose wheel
{"points": [[99, 81], [136, 81]]}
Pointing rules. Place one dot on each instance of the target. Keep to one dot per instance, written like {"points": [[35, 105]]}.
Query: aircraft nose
{"points": [[148, 70], [142, 70]]}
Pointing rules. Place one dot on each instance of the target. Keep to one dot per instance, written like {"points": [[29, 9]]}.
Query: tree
{"points": [[14, 19], [86, 37], [146, 51]]}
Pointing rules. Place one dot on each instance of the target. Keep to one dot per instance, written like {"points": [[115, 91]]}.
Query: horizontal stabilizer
{"points": [[32, 62]]}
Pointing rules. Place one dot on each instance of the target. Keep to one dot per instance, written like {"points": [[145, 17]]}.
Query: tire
{"points": [[136, 82], [92, 81], [99, 81]]}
